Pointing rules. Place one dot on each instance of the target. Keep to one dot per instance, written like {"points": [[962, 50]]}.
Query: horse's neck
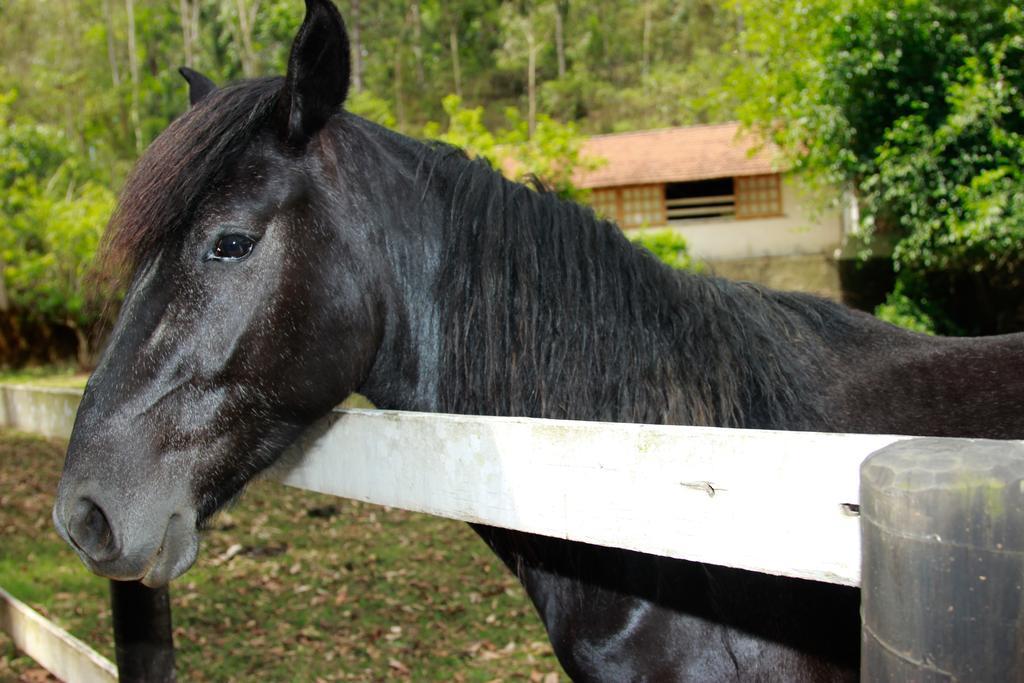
{"points": [[512, 303], [545, 311]]}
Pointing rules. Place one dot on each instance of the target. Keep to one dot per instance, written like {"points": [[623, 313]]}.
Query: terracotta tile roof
{"points": [[676, 155]]}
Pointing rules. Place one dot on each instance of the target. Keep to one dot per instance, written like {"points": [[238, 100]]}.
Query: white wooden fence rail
{"points": [[53, 648], [774, 502]]}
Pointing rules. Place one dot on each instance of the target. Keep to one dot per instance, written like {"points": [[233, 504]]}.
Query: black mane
{"points": [[538, 295]]}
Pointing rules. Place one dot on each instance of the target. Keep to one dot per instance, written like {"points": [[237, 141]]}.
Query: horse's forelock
{"points": [[175, 174]]}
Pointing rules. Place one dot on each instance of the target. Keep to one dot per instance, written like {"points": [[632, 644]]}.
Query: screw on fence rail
{"points": [[942, 539], [142, 633]]}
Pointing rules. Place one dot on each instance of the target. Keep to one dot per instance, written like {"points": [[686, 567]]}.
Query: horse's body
{"points": [[285, 254]]}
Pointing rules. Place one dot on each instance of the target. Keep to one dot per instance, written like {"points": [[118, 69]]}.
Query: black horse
{"points": [[283, 253]]}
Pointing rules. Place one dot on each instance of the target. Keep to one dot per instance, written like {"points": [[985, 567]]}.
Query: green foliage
{"points": [[466, 130], [107, 77], [780, 82], [96, 81], [956, 187], [552, 153], [635, 65], [49, 259], [51, 218], [670, 247], [371, 107], [900, 309], [919, 107]]}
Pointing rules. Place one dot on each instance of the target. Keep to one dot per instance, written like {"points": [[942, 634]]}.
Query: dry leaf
{"points": [[399, 667]]}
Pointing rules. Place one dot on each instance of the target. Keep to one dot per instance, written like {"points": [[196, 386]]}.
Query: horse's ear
{"points": [[318, 73], [199, 86]]}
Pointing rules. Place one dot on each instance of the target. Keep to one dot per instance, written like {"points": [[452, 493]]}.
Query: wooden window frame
{"points": [[620, 205], [741, 200], [742, 212]]}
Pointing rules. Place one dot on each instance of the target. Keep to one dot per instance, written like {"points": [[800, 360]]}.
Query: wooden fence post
{"points": [[143, 639], [942, 536]]}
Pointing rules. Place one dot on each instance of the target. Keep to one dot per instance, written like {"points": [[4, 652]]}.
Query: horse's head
{"points": [[251, 311]]}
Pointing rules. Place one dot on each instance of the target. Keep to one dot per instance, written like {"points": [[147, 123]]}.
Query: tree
{"points": [[919, 108]]}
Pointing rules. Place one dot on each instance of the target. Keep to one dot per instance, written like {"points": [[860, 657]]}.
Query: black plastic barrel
{"points": [[942, 524]]}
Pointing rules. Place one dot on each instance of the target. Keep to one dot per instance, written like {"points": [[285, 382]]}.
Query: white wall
{"points": [[802, 230]]}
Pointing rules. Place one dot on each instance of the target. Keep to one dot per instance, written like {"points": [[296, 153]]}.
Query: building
{"points": [[728, 194]]}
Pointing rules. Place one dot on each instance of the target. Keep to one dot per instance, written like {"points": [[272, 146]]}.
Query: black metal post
{"points": [[142, 633], [942, 540]]}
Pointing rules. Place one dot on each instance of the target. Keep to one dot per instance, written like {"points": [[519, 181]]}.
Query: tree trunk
{"points": [[399, 105], [561, 14], [453, 44], [83, 352], [646, 60], [354, 29], [189, 10], [186, 33], [194, 27], [246, 20], [133, 68], [531, 77], [5, 303], [417, 40], [115, 72], [70, 52]]}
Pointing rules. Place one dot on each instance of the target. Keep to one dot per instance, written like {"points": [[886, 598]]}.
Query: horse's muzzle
{"points": [[153, 543]]}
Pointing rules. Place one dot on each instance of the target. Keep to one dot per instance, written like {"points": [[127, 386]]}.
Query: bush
{"points": [[52, 214], [669, 247], [899, 309]]}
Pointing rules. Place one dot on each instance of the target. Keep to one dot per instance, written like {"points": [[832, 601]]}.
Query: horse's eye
{"points": [[233, 247]]}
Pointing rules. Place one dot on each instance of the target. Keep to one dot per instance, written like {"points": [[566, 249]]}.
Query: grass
{"points": [[290, 586], [46, 376]]}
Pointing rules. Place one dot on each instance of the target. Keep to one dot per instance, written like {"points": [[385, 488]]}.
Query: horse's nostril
{"points": [[90, 530]]}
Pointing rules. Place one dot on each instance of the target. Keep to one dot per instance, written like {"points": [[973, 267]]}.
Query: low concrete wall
{"points": [[40, 410], [861, 284], [816, 273]]}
